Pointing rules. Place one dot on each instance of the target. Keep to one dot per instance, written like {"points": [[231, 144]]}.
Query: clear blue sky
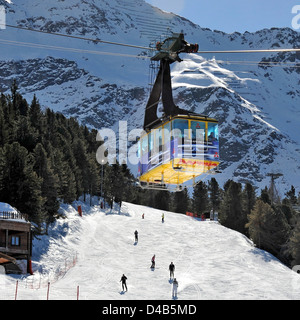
{"points": [[233, 15]]}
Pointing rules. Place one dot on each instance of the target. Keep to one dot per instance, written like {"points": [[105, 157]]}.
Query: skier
{"points": [[171, 268], [136, 235], [123, 279], [174, 291], [163, 217], [143, 215], [153, 262]]}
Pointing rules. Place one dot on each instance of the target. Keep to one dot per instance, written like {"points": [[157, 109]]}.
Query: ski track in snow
{"points": [[211, 261]]}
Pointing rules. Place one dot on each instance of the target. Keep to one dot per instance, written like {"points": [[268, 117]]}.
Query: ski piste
{"points": [[102, 241]]}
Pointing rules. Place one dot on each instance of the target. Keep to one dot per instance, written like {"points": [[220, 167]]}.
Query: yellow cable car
{"points": [[180, 146], [179, 150]]}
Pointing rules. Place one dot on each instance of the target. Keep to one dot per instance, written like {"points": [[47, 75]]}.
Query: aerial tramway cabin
{"points": [[15, 239], [179, 150], [180, 147]]}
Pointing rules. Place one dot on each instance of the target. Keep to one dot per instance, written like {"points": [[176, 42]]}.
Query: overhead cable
{"points": [[148, 48], [76, 50], [76, 37]]}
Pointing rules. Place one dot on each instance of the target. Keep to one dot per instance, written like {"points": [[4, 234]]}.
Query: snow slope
{"points": [[212, 262]]}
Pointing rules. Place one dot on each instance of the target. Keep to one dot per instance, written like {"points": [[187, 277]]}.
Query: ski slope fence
{"points": [[19, 291], [38, 286]]}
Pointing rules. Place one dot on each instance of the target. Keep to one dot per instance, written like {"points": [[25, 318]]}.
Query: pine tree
{"points": [[49, 184], [200, 198], [2, 168], [66, 189], [268, 228], [35, 113], [232, 214], [291, 196], [82, 164], [22, 106], [294, 244], [112, 184], [3, 127], [181, 201], [22, 186], [130, 189], [288, 211], [249, 198], [69, 185], [214, 195], [76, 171], [15, 97], [25, 134], [264, 195], [92, 175], [162, 200]]}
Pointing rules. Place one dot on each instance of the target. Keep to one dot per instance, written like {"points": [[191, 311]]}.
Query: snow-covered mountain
{"points": [[85, 257], [256, 97]]}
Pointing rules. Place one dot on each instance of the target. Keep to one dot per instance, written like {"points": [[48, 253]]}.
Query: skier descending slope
{"points": [[136, 235], [174, 291], [171, 268], [153, 262], [123, 279]]}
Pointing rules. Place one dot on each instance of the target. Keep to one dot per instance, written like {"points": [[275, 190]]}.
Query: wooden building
{"points": [[15, 241]]}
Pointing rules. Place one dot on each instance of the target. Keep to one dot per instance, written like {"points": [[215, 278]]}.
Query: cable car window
{"points": [[158, 142], [144, 144], [213, 134], [155, 147], [166, 132], [182, 125], [150, 141], [158, 139], [198, 130], [139, 150]]}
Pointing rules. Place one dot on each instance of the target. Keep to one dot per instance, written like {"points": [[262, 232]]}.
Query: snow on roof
{"points": [[5, 207], [8, 212]]}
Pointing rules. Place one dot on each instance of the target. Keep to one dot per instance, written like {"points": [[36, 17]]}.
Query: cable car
{"points": [[179, 146], [179, 150]]}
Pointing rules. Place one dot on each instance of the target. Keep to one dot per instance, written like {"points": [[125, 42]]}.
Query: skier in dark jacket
{"points": [[153, 262], [172, 269], [136, 235], [123, 279]]}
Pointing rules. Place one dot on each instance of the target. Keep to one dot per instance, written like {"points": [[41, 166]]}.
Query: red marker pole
{"points": [[48, 290], [16, 293]]}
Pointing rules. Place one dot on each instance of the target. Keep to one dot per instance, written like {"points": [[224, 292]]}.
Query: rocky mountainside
{"points": [[61, 85], [256, 97]]}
